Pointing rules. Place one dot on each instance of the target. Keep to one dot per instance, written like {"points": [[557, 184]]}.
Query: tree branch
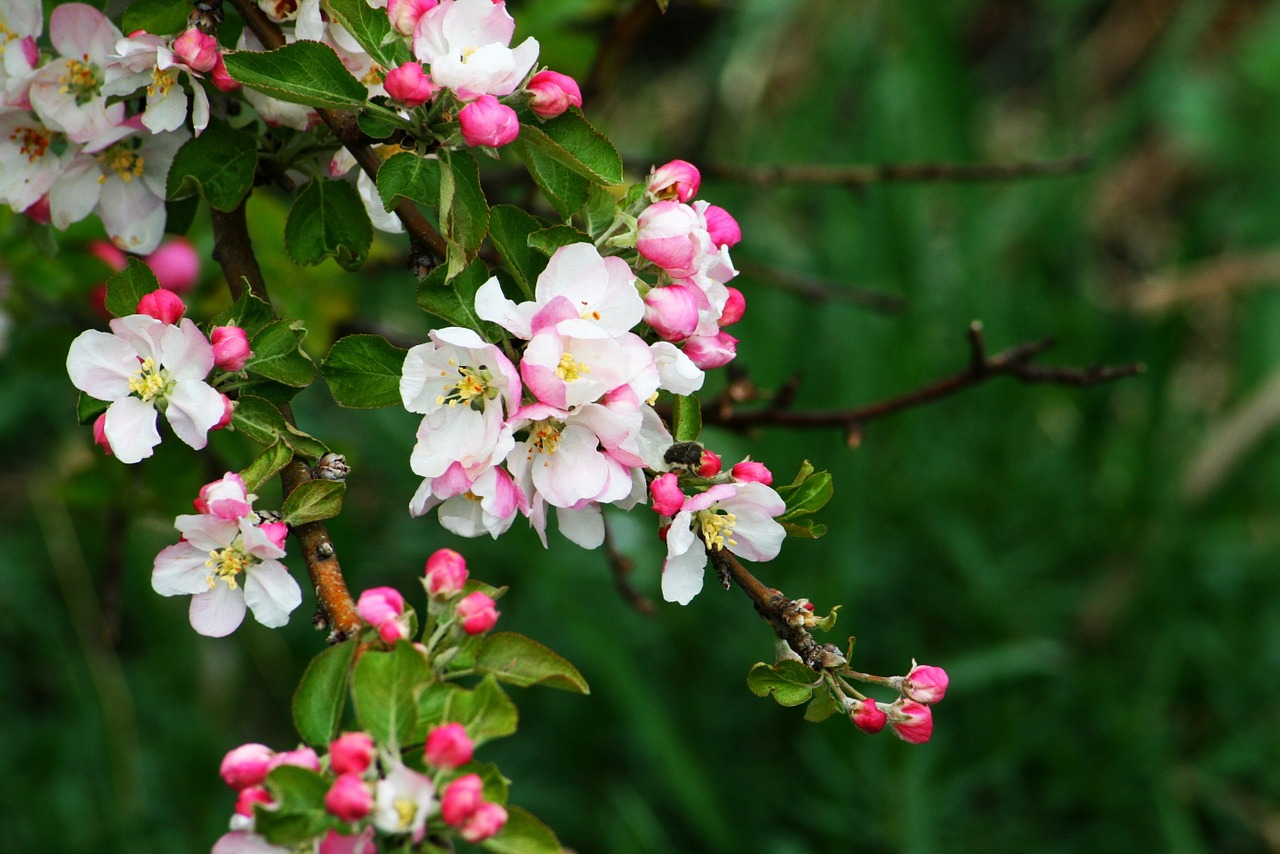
{"points": [[881, 173], [818, 289]]}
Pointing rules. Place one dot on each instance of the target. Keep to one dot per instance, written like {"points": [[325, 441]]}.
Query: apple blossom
{"points": [[379, 605], [678, 179], [734, 307], [667, 495], [486, 122], [445, 573], [448, 746], [466, 44], [245, 842], [672, 311], [925, 683], [477, 613], [710, 352], [751, 471], [145, 62], [405, 14], [349, 798], [302, 757], [230, 348], [709, 466], [410, 85], [667, 234], [165, 306], [31, 158], [911, 721], [67, 93], [21, 23], [341, 843], [351, 753], [676, 372], [551, 93], [461, 799], [867, 716], [486, 821], [222, 78], [143, 365], [246, 765], [720, 224], [403, 799], [175, 263], [226, 498], [470, 507], [197, 50]]}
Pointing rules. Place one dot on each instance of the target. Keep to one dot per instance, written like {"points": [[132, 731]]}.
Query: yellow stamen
{"points": [[717, 529], [571, 369], [33, 142], [162, 82], [149, 381], [122, 160], [225, 565]]}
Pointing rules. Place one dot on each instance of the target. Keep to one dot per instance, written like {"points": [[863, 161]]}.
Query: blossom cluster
{"points": [[910, 716]]}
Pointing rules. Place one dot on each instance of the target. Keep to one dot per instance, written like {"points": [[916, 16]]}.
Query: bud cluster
{"points": [[910, 716]]}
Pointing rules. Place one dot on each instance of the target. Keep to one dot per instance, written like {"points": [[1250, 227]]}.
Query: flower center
{"points": [[570, 369], [225, 565], [717, 528], [33, 142], [161, 82], [588, 313], [82, 78], [121, 159], [405, 811], [544, 438], [149, 381], [474, 387]]}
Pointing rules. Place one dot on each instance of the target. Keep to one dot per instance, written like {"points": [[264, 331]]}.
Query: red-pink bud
{"points": [[734, 307], [477, 613], [911, 721], [379, 605], [351, 753], [461, 798], [448, 746], [393, 631], [445, 574], [710, 465], [250, 796], [162, 305], [678, 180], [349, 798], [672, 312], [722, 227], [277, 533], [711, 351], [750, 471], [38, 211], [342, 843], [100, 434], [404, 14], [108, 253], [668, 498], [197, 50], [487, 820], [228, 410], [486, 122], [176, 265], [222, 78], [867, 716], [926, 684], [230, 348], [246, 765], [303, 757], [410, 85], [551, 93]]}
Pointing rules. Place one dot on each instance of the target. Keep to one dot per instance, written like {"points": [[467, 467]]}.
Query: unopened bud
{"points": [[486, 122], [349, 798], [176, 265], [925, 683], [749, 471], [198, 51], [552, 93], [351, 753], [246, 765], [477, 613], [911, 721], [445, 574], [867, 716], [230, 348], [668, 498], [163, 305], [461, 798], [486, 821], [734, 307], [449, 746], [710, 464], [100, 434], [410, 85], [332, 467], [678, 180]]}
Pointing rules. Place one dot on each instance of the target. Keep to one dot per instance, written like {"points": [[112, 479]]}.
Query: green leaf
{"points": [[565, 189], [600, 209], [688, 418], [126, 287], [304, 444], [570, 140], [89, 408], [371, 28], [312, 501], [269, 462], [509, 230], [249, 313], [178, 215], [486, 712], [328, 220], [322, 694], [409, 176], [363, 371], [523, 661], [277, 354], [788, 685], [804, 529], [218, 166], [383, 690], [376, 125], [304, 72], [298, 813], [807, 494], [523, 834], [548, 240], [259, 419], [160, 17], [828, 622], [456, 301], [464, 212], [822, 707]]}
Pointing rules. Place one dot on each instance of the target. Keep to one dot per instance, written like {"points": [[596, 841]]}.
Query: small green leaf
{"points": [[806, 495], [788, 685], [383, 689], [523, 834], [570, 140], [259, 419], [328, 220], [688, 418], [298, 812], [600, 209], [277, 355], [363, 371], [312, 501], [371, 28], [548, 240], [828, 622], [89, 408], [322, 694], [126, 287], [159, 17], [218, 166], [409, 176], [523, 661], [509, 230], [456, 301], [304, 72], [269, 462], [464, 212], [303, 444], [376, 126], [564, 188], [804, 529], [249, 313], [822, 707]]}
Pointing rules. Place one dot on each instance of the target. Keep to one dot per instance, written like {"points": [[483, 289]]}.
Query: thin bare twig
{"points": [[860, 175], [621, 566], [821, 289]]}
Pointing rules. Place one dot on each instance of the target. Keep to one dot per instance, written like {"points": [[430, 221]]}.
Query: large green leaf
{"points": [[278, 354], [371, 28], [322, 694], [523, 661], [259, 419], [383, 690], [328, 220], [464, 212], [249, 313], [269, 462], [303, 72], [455, 301], [160, 17], [486, 712], [548, 240], [409, 176], [363, 371], [218, 166], [565, 189], [509, 230], [126, 287], [523, 834], [570, 139]]}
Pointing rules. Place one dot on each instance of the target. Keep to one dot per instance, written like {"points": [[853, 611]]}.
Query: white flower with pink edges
{"points": [[466, 44]]}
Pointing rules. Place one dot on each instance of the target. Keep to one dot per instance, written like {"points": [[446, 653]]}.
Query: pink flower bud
{"points": [[734, 307], [250, 796], [486, 122], [710, 465], [404, 14], [222, 78], [911, 721], [277, 533], [665, 237], [448, 746], [393, 631], [303, 757], [667, 495], [230, 348], [749, 471], [711, 351], [108, 253], [722, 227], [551, 93], [380, 605], [228, 410], [176, 265], [351, 753], [198, 51], [225, 498], [38, 211], [672, 312], [678, 179], [926, 684], [410, 85], [349, 798], [446, 573], [342, 843], [100, 434], [246, 765], [487, 820], [477, 613], [867, 716], [162, 305], [461, 798]]}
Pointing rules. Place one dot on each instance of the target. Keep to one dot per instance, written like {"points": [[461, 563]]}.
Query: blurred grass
{"points": [[1111, 641]]}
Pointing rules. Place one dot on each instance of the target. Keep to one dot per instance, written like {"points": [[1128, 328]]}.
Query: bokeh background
{"points": [[1097, 569]]}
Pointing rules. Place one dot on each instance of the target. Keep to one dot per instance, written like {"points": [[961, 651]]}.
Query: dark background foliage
{"points": [[1096, 569]]}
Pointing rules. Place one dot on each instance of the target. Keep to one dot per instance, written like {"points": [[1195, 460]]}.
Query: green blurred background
{"points": [[1096, 569]]}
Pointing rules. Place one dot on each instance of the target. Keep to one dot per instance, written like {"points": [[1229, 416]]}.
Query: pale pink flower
{"points": [[713, 351], [405, 14], [403, 800], [31, 160], [569, 361], [672, 311], [68, 92], [145, 61], [487, 504], [487, 122], [245, 842], [485, 822], [341, 843], [676, 371], [552, 93], [669, 234], [466, 44], [226, 498], [21, 23]]}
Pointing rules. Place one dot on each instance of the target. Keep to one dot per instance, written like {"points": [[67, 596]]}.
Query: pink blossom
{"points": [[552, 93], [246, 765], [487, 122], [146, 60], [67, 93], [445, 573], [108, 253], [466, 44], [410, 85], [404, 799], [230, 348], [477, 613], [276, 533], [32, 158], [677, 180], [867, 716], [405, 14], [176, 264], [749, 471], [925, 683], [734, 307], [349, 798], [461, 799], [351, 753], [165, 306], [722, 227], [341, 843], [710, 352], [244, 841], [226, 498], [381, 607], [486, 821], [197, 50], [710, 464], [100, 434], [666, 236], [911, 721], [667, 495], [303, 757], [470, 507], [249, 796], [448, 746], [672, 311], [228, 411]]}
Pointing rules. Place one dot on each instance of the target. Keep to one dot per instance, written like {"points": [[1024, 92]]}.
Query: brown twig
{"points": [[233, 249], [860, 175], [343, 124], [621, 566], [1014, 362], [820, 289]]}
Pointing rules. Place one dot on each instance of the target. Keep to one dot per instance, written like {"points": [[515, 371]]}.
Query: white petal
{"points": [[101, 364], [272, 593], [131, 429], [684, 569], [584, 527], [132, 214], [180, 571], [218, 612], [194, 408]]}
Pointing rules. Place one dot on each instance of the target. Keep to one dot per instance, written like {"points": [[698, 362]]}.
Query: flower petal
{"points": [[271, 593], [218, 612]]}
